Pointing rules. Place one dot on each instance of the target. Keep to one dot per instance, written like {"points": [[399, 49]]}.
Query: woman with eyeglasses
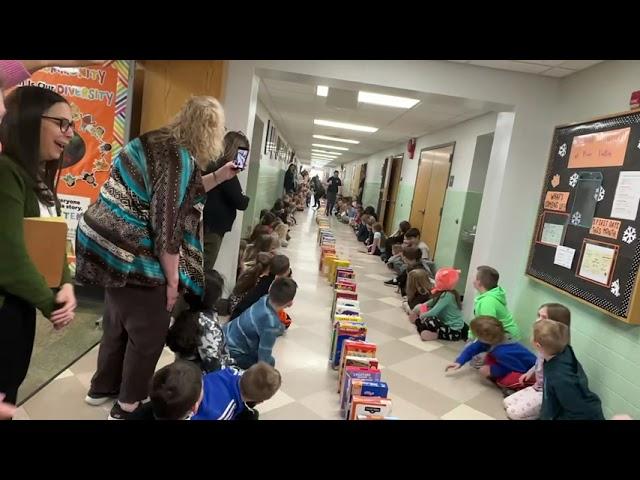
{"points": [[223, 202], [35, 130], [142, 241]]}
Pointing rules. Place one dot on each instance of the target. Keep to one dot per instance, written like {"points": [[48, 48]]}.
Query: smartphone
{"points": [[242, 158]]}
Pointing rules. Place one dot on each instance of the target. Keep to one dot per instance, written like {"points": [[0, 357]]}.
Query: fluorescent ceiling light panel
{"points": [[320, 145], [322, 91], [345, 126], [386, 100], [336, 139], [325, 151]]}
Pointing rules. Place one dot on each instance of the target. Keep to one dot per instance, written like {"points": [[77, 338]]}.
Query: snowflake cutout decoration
{"points": [[563, 150], [629, 235], [599, 195], [615, 288], [639, 144], [573, 180], [576, 218]]}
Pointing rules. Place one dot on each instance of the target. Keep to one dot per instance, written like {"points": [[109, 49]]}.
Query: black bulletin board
{"points": [[590, 192]]}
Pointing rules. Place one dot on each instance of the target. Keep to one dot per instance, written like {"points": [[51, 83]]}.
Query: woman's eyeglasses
{"points": [[64, 123]]}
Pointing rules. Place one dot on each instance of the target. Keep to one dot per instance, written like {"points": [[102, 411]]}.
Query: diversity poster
{"points": [[99, 99]]}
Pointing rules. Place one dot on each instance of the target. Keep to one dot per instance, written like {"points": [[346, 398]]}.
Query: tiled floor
{"points": [[413, 369]]}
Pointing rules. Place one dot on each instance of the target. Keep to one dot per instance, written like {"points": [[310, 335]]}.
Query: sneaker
{"points": [[117, 413], [392, 283], [97, 399]]}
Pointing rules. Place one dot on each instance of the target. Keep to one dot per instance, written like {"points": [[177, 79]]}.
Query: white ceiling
{"points": [[294, 106], [548, 68]]}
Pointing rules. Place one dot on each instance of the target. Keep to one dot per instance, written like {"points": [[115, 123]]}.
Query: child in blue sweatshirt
{"points": [[506, 360], [252, 336]]}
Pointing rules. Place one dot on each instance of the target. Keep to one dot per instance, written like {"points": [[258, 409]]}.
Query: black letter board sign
{"points": [[586, 239]]}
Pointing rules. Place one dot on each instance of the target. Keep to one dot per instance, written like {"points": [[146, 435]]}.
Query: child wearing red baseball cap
{"points": [[441, 317]]}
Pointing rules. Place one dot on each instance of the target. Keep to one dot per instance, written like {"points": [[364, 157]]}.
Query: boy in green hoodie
{"points": [[491, 301]]}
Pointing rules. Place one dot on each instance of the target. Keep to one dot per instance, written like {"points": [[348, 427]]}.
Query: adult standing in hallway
{"points": [[141, 240], [290, 179], [334, 184], [36, 128], [224, 201], [318, 190]]}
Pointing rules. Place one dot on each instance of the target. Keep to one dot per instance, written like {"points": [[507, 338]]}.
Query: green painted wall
{"points": [[403, 204], [469, 219], [264, 190], [371, 194], [452, 210]]}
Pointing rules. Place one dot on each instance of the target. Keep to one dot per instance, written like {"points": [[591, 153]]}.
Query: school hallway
{"points": [[413, 369]]}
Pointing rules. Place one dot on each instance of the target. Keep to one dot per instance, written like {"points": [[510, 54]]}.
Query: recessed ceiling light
{"points": [[345, 126], [322, 91], [335, 139], [325, 151], [386, 100], [344, 149], [321, 155]]}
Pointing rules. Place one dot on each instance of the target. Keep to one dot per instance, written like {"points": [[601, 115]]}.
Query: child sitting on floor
{"points": [[505, 361], [525, 404], [441, 317], [252, 336], [180, 392], [395, 261], [491, 300], [231, 394], [377, 244], [196, 334], [418, 289], [249, 279], [278, 267], [265, 243], [566, 387]]}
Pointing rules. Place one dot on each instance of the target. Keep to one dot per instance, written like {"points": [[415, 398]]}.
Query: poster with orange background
{"points": [[98, 97]]}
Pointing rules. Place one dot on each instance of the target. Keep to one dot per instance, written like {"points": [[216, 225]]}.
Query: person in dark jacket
{"points": [[223, 202], [396, 238], [278, 267], [566, 394], [290, 179]]}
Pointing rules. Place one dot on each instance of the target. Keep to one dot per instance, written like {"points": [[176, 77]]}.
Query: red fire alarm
{"points": [[411, 147], [635, 100]]}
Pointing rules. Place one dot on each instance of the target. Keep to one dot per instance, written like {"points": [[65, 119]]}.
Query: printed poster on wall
{"points": [[98, 99]]}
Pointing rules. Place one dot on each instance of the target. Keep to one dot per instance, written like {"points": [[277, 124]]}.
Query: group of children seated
{"points": [[493, 347], [224, 369]]}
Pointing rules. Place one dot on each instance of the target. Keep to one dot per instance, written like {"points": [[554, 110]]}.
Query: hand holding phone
{"points": [[242, 158]]}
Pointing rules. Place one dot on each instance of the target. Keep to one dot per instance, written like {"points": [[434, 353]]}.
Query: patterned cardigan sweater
{"points": [[152, 203]]}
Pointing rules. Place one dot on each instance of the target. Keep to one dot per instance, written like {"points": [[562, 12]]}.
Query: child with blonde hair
{"points": [[525, 404], [566, 394], [505, 361]]}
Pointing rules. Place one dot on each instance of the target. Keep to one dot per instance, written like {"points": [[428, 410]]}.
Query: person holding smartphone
{"points": [[225, 200]]}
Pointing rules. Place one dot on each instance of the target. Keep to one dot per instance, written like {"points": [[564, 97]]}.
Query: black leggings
{"points": [[17, 332], [432, 324]]}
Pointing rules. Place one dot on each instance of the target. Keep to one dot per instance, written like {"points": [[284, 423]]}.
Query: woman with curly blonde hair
{"points": [[142, 242]]}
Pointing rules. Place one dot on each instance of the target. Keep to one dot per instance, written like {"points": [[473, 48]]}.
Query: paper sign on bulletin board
{"points": [[603, 149], [593, 178]]}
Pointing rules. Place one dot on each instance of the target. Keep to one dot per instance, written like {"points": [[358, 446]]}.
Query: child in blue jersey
{"points": [[230, 394], [180, 392]]}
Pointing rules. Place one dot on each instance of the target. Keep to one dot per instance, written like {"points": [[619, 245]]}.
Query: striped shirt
{"points": [[221, 399], [253, 334], [151, 204]]}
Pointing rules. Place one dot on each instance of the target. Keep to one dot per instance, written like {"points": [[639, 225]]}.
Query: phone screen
{"points": [[242, 157]]}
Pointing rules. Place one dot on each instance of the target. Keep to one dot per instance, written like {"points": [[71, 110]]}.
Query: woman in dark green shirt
{"points": [[35, 129]]}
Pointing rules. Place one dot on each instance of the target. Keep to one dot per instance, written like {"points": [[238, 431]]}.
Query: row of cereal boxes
{"points": [[363, 395]]}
